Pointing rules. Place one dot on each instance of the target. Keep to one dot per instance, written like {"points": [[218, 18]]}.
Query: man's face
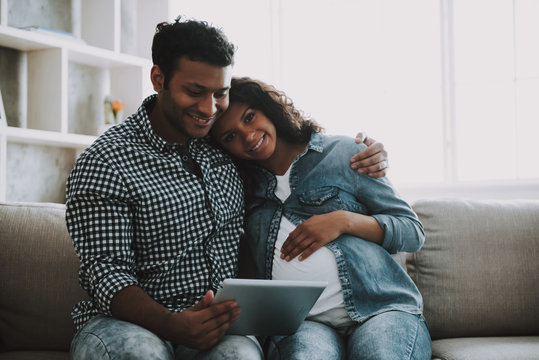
{"points": [[196, 96]]}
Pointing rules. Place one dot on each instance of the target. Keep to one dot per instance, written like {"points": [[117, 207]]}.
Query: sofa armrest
{"points": [[38, 277], [478, 270]]}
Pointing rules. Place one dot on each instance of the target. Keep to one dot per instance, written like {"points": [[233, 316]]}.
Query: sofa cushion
{"points": [[38, 278], [478, 269], [492, 348]]}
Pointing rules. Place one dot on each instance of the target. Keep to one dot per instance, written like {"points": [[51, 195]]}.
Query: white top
{"points": [[320, 266]]}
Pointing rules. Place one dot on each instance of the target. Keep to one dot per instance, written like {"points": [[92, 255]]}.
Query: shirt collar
{"points": [[316, 143]]}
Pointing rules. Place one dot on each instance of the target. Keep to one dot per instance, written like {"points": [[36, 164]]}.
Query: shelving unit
{"points": [[54, 81]]}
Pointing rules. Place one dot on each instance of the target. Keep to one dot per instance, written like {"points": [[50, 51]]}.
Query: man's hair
{"points": [[290, 123], [196, 40]]}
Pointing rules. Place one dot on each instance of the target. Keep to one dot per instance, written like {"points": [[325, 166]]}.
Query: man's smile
{"points": [[201, 120]]}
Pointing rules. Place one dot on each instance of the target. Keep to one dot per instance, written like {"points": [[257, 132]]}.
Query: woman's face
{"points": [[245, 132]]}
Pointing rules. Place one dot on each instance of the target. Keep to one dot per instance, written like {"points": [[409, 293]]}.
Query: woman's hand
{"points": [[311, 235], [319, 230]]}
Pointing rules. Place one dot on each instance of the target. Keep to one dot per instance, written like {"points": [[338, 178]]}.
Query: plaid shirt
{"points": [[138, 216]]}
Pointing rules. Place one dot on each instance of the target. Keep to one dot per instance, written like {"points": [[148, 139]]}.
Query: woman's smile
{"points": [[258, 145]]}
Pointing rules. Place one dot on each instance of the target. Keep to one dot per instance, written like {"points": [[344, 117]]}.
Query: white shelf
{"points": [[57, 83], [94, 56], [79, 52], [25, 40], [48, 138]]}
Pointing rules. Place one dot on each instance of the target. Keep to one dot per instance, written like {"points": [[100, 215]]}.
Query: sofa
{"points": [[478, 272]]}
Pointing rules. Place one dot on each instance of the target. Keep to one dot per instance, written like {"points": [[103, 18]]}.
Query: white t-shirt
{"points": [[320, 266]]}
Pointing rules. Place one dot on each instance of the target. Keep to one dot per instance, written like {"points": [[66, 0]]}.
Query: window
{"points": [[495, 82], [451, 87]]}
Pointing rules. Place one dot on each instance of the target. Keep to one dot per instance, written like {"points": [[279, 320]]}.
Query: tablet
{"points": [[269, 307]]}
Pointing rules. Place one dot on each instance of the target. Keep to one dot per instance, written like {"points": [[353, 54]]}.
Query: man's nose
{"points": [[208, 105]]}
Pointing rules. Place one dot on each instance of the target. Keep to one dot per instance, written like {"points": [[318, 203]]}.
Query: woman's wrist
{"points": [[345, 219], [359, 225]]}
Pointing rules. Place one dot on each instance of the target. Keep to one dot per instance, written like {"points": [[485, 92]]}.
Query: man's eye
{"points": [[221, 95], [194, 92]]}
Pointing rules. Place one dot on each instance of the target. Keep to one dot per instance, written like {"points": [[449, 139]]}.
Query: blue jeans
{"points": [[392, 335], [108, 338]]}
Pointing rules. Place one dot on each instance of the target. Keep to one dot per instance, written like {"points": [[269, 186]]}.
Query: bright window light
{"points": [[451, 87]]}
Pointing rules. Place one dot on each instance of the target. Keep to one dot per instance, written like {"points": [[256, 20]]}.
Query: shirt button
{"points": [[185, 158]]}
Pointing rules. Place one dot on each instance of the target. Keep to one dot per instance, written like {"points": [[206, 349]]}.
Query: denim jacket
{"points": [[322, 181]]}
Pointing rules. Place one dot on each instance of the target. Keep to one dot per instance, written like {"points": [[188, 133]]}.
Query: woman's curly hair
{"points": [[291, 124]]}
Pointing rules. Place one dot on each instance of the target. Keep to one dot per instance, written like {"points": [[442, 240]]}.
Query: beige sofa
{"points": [[478, 272]]}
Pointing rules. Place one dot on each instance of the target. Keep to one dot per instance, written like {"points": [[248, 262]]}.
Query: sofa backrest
{"points": [[478, 270], [38, 277]]}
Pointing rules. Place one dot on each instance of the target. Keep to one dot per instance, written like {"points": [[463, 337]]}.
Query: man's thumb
{"points": [[204, 302]]}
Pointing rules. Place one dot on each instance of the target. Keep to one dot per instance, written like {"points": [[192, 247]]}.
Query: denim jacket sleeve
{"points": [[403, 230]]}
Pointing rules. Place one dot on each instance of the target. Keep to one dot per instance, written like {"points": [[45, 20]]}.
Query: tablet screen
{"points": [[270, 307]]}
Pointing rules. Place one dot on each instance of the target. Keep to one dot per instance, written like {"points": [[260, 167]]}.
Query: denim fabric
{"points": [[231, 347], [393, 335], [106, 338], [321, 181]]}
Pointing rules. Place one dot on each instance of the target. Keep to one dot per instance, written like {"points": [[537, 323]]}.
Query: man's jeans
{"points": [[392, 335], [108, 338]]}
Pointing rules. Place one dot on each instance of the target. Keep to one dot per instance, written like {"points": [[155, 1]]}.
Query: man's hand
{"points": [[311, 235], [200, 326], [204, 324], [373, 160]]}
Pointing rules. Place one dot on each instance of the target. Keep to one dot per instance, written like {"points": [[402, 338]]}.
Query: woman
{"points": [[310, 217]]}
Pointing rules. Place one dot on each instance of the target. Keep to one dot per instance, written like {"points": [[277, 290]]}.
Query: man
{"points": [[156, 213]]}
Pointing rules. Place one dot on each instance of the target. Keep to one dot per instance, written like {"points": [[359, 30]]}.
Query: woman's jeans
{"points": [[392, 335], [109, 338]]}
